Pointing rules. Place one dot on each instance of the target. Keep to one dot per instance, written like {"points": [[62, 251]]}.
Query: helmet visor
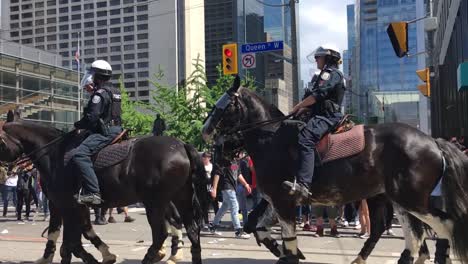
{"points": [[88, 79]]}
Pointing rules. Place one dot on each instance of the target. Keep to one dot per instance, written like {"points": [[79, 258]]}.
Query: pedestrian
{"points": [[9, 189], [241, 191], [23, 192], [127, 219], [206, 158], [389, 218], [332, 213], [159, 126], [364, 218], [3, 177], [226, 178]]}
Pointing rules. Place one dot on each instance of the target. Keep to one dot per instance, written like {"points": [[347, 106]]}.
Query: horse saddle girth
{"points": [[109, 156], [337, 146]]}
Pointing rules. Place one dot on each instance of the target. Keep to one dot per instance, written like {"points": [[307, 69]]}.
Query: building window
{"points": [[63, 10], [74, 44], [89, 33], [142, 8], [142, 27], [14, 17], [89, 15], [89, 24], [88, 6], [101, 13], [129, 56], [142, 17], [51, 47], [26, 24], [102, 31], [129, 75], [74, 35], [115, 30], [76, 8], [115, 39], [143, 64], [102, 50], [129, 47], [39, 4], [39, 13], [64, 54], [101, 4], [51, 37], [116, 58], [115, 48], [142, 45], [114, 2], [63, 18], [66, 63], [51, 29], [14, 25], [42, 47], [129, 28], [14, 34], [129, 38], [131, 94], [142, 93], [52, 11], [76, 17], [63, 2], [115, 12], [51, 20], [129, 66], [63, 27], [26, 7], [128, 9], [64, 45], [40, 30], [115, 21], [40, 22], [76, 26], [143, 36], [89, 42], [129, 85], [116, 67], [129, 19], [88, 60], [102, 23], [89, 51], [126, 2], [26, 15], [51, 3], [64, 36], [143, 55], [143, 74], [40, 39], [102, 41]]}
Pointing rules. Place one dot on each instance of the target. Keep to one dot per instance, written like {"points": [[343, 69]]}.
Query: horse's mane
{"points": [[38, 128], [271, 108]]}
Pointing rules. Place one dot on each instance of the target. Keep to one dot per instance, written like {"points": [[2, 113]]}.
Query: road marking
{"points": [[138, 249]]}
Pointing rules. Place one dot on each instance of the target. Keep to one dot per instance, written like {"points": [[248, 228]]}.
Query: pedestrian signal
{"points": [[230, 59], [398, 34]]}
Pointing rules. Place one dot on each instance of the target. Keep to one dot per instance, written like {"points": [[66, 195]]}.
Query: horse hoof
{"points": [[110, 259], [422, 259], [359, 260], [45, 260], [177, 257]]}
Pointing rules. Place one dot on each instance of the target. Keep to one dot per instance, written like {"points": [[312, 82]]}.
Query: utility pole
{"points": [[295, 77]]}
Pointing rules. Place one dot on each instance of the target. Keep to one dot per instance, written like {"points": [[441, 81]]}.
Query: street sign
{"points": [[248, 61], [262, 47]]}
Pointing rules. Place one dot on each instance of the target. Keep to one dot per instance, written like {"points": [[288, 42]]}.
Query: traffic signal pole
{"points": [[295, 79]]}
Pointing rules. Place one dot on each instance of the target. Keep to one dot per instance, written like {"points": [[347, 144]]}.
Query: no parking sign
{"points": [[248, 61]]}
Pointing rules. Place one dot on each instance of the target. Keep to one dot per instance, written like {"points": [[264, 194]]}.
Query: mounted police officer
{"points": [[324, 101], [102, 119]]}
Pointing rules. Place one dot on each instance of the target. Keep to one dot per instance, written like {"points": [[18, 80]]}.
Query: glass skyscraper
{"points": [[377, 67]]}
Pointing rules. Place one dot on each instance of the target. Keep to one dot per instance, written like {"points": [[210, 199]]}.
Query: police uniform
{"points": [[102, 119], [328, 90]]}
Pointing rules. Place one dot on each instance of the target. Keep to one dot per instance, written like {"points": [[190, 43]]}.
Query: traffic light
{"points": [[398, 34], [424, 75], [230, 59]]}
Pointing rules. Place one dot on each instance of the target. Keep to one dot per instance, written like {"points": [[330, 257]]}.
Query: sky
{"points": [[321, 23]]}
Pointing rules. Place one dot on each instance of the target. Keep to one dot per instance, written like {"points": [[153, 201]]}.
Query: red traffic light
{"points": [[228, 52]]}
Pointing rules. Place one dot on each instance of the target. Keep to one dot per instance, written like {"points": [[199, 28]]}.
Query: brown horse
{"points": [[397, 160]]}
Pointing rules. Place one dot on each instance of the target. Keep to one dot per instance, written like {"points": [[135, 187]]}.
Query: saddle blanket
{"points": [[108, 156], [342, 145]]}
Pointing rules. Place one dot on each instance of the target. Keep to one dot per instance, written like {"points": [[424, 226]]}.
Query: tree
{"points": [[133, 117]]}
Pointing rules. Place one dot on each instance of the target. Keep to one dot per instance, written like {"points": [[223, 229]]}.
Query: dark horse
{"points": [[157, 171], [398, 160]]}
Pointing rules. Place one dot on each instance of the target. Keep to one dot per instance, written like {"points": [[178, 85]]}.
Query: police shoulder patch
{"points": [[325, 76], [96, 99]]}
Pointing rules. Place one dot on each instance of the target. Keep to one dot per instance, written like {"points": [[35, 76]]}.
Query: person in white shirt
{"points": [[9, 187], [206, 158]]}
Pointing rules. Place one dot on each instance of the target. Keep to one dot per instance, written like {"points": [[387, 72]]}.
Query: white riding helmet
{"points": [[100, 70]]}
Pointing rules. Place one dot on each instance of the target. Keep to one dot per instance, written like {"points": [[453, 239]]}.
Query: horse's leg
{"points": [[174, 224], [89, 234], [377, 207], [286, 211], [55, 223], [423, 254], [413, 242], [155, 212], [193, 232], [72, 238], [442, 254]]}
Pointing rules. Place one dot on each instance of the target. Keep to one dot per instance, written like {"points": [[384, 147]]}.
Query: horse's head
{"points": [[10, 147]]}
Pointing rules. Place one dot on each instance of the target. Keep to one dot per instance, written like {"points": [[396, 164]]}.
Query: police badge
{"points": [[325, 76]]}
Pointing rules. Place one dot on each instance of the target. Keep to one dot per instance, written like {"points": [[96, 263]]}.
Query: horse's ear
{"points": [[235, 85], [10, 116]]}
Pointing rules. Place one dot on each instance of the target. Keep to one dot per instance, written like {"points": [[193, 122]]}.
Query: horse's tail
{"points": [[200, 199], [454, 190]]}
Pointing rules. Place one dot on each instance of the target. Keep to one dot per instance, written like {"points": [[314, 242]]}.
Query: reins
{"points": [[251, 126]]}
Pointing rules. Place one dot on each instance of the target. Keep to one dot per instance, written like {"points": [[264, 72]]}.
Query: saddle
{"points": [[347, 139], [112, 154]]}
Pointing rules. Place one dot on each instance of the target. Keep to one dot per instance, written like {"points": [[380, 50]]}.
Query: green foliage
{"points": [[183, 107]]}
